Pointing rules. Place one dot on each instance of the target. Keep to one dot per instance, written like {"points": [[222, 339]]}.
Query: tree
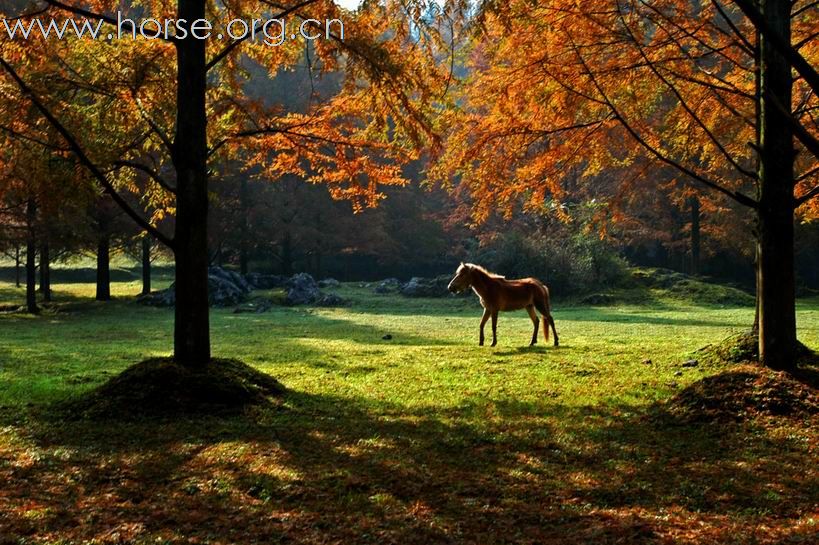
{"points": [[346, 143]]}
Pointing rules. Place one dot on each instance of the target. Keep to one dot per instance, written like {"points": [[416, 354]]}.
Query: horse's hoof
{"points": [[494, 344]]}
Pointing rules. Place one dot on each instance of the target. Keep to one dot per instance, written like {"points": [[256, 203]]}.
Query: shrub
{"points": [[577, 263]]}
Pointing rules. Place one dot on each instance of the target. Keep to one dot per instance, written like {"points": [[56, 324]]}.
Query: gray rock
{"points": [[331, 283], [225, 288], [302, 289], [161, 298], [426, 287], [691, 363], [222, 292], [388, 285], [231, 276], [330, 300]]}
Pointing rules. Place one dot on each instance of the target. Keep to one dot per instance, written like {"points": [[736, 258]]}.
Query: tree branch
{"points": [[735, 195], [150, 172], [792, 56], [98, 16], [235, 43], [76, 148], [685, 105]]}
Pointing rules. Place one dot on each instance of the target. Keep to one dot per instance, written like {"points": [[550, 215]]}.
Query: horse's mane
{"points": [[482, 270]]}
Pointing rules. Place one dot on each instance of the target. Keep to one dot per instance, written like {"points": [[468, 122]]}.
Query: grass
{"points": [[424, 438]]}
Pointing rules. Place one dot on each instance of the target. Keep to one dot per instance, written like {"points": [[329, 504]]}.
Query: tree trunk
{"points": [[17, 265], [45, 272], [694, 202], [755, 326], [244, 227], [146, 265], [31, 254], [103, 268], [191, 326], [775, 274]]}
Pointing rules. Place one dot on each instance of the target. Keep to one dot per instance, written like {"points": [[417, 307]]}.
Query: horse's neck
{"points": [[481, 282]]}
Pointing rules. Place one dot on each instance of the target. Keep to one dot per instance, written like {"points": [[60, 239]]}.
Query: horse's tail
{"points": [[543, 306]]}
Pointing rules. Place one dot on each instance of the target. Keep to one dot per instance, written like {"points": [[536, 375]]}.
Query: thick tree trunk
{"points": [[694, 202], [45, 272], [103, 268], [191, 327], [775, 274], [31, 257], [146, 265]]}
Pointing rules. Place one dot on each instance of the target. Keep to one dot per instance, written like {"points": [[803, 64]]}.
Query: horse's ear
{"points": [[462, 263]]}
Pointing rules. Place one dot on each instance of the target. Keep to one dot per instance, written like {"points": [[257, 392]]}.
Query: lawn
{"points": [[423, 437]]}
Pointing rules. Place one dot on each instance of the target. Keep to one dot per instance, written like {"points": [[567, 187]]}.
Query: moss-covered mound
{"points": [[161, 387], [695, 290], [743, 393], [738, 348], [743, 347]]}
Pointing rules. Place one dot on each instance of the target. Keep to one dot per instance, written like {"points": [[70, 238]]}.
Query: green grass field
{"points": [[424, 438]]}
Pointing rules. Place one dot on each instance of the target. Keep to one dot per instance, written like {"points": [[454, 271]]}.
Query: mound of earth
{"points": [[161, 387], [742, 347], [692, 289], [743, 393]]}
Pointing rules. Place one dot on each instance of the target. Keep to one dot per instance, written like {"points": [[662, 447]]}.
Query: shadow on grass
{"points": [[331, 469]]}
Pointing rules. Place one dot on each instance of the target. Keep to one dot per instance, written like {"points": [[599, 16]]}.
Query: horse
{"points": [[496, 293]]}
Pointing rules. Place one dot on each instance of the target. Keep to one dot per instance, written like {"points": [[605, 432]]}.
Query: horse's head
{"points": [[462, 280]]}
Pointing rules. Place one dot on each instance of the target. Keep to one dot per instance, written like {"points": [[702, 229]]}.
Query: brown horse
{"points": [[497, 293]]}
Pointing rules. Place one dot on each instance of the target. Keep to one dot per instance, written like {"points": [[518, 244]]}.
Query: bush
{"points": [[577, 264]]}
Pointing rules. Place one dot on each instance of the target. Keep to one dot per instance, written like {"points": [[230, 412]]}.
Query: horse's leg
{"points": [[552, 321], [531, 310], [484, 318], [494, 328]]}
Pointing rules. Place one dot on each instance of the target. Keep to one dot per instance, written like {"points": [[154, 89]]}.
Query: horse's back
{"points": [[520, 293]]}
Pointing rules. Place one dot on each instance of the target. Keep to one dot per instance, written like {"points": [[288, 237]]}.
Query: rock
{"points": [[388, 285], [257, 306], [265, 281], [387, 337], [222, 292], [426, 287], [302, 289], [646, 362], [225, 288], [690, 363], [330, 300], [161, 298], [330, 283], [231, 276], [678, 374]]}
